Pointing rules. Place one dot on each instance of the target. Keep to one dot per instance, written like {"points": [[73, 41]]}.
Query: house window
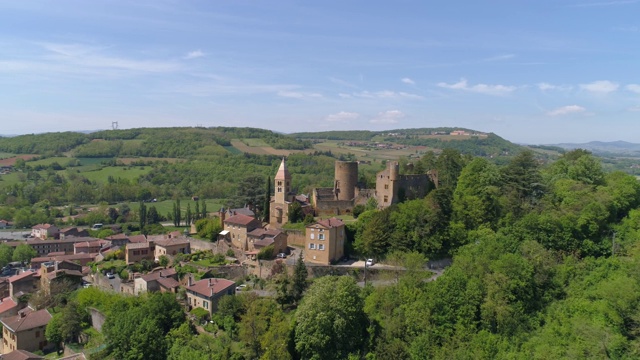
{"points": [[320, 246], [320, 236], [386, 198], [312, 236], [386, 186], [205, 304], [312, 246], [37, 334]]}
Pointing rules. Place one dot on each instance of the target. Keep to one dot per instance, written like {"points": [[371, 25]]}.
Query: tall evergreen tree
{"points": [[299, 279], [178, 212], [267, 200], [204, 210], [142, 214], [187, 215], [196, 213]]}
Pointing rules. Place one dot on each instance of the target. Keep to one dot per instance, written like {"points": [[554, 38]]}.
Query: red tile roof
{"points": [[21, 355], [240, 219], [329, 223], [171, 242], [144, 245], [22, 276], [168, 283], [27, 319], [209, 287], [42, 226], [137, 238], [7, 304]]}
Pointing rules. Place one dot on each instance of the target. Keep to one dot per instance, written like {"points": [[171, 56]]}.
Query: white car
{"points": [[111, 276], [369, 262], [241, 287]]}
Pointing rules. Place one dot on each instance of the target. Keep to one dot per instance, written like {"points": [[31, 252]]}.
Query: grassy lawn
{"points": [[255, 142], [92, 161], [233, 150], [297, 226], [4, 155]]}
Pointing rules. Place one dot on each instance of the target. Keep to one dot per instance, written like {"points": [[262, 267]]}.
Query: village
{"points": [[199, 272]]}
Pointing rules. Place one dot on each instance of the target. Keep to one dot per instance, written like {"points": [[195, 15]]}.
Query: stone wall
{"points": [[295, 237], [97, 319]]}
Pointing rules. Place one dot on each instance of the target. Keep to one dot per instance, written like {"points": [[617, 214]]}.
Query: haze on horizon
{"points": [[531, 72]]}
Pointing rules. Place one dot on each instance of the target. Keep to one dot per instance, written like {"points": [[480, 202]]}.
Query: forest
{"points": [[545, 265]]}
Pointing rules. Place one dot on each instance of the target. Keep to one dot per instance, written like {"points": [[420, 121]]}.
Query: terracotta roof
{"points": [[27, 319], [66, 240], [260, 233], [56, 253], [7, 304], [116, 237], [208, 287], [283, 172], [164, 273], [168, 283], [172, 242], [144, 245], [22, 276], [329, 223], [137, 238], [20, 355], [86, 244], [242, 210], [61, 257], [264, 242], [55, 274], [240, 219]]}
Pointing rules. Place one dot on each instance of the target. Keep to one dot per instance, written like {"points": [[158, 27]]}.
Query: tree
{"points": [[299, 284], [142, 215], [266, 208], [163, 261], [152, 215], [6, 254], [330, 322], [204, 213], [196, 212], [24, 253], [187, 215], [52, 331], [295, 212]]}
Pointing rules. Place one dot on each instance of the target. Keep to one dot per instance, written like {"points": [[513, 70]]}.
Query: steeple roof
{"points": [[283, 172]]}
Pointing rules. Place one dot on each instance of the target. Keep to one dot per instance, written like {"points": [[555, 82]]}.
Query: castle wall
{"points": [[346, 179], [333, 207]]}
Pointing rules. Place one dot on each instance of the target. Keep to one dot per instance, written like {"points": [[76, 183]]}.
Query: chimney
{"points": [[22, 314], [189, 280]]}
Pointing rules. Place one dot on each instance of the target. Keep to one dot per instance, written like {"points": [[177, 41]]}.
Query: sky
{"points": [[536, 72]]}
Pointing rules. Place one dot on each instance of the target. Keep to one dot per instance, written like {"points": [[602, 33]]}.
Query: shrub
{"points": [[266, 253]]}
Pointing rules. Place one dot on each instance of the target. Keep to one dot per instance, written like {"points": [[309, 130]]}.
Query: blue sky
{"points": [[530, 71]]}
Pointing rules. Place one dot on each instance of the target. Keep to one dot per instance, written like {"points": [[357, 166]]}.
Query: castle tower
{"points": [[346, 180], [282, 183]]}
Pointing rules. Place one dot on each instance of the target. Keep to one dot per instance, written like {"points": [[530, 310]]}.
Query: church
{"points": [[283, 198]]}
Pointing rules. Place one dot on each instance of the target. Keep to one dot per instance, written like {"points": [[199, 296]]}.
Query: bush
{"points": [[266, 253], [200, 314], [231, 253]]}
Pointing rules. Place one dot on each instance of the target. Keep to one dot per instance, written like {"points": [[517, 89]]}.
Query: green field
{"points": [[233, 150], [4, 155], [92, 161], [255, 142], [129, 173]]}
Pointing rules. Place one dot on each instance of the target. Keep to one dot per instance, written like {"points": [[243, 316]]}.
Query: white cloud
{"points": [[543, 86], [343, 116], [388, 117], [193, 55], [479, 88], [600, 87], [634, 88], [408, 81], [501, 57], [298, 95], [566, 110], [386, 94]]}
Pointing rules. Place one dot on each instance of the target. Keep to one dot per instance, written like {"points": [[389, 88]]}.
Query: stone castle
{"points": [[391, 188]]}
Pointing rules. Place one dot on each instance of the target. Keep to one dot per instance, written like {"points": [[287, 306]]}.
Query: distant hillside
{"points": [[622, 148], [467, 141]]}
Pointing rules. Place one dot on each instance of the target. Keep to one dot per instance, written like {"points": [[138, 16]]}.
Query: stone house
{"points": [[238, 226], [261, 238], [171, 247], [136, 252], [324, 242], [25, 331], [206, 293], [165, 280], [45, 231]]}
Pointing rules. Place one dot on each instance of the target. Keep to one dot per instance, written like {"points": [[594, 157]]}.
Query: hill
{"points": [[622, 148]]}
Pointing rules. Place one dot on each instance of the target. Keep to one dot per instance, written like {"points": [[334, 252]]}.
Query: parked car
{"points": [[369, 262], [241, 287], [281, 255], [111, 276]]}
